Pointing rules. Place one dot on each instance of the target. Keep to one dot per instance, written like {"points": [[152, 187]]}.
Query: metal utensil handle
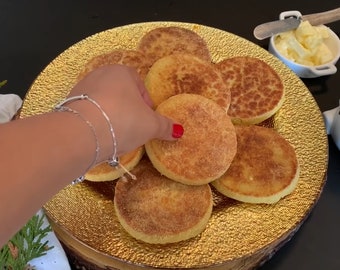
{"points": [[322, 17]]}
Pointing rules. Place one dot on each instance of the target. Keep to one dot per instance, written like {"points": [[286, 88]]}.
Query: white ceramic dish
{"points": [[332, 121], [303, 71]]}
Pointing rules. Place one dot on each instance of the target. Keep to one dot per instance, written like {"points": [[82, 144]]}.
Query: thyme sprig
{"points": [[26, 245]]}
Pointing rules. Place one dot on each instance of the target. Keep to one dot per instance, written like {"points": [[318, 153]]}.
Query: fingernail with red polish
{"points": [[177, 131]]}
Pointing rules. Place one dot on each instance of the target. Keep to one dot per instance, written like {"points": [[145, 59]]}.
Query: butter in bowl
{"points": [[309, 51]]}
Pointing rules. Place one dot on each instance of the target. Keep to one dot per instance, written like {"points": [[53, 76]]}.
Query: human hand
{"points": [[122, 95]]}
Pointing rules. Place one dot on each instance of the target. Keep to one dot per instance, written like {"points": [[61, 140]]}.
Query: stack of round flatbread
{"points": [[221, 107]]}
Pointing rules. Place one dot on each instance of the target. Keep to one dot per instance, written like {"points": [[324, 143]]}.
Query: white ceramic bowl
{"points": [[332, 121], [333, 43]]}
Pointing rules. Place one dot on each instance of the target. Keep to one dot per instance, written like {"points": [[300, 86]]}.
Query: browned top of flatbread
{"points": [[208, 144], [264, 169], [164, 41], [183, 73], [257, 91], [155, 209], [132, 58]]}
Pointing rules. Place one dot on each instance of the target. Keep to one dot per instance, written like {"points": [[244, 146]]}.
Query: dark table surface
{"points": [[33, 33]]}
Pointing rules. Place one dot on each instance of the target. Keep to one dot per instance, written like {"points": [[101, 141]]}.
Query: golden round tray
{"points": [[238, 235]]}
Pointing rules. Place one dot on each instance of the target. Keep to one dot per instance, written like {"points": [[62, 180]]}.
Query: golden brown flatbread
{"points": [[257, 91], [163, 41], [184, 73], [208, 144], [264, 170], [131, 58], [105, 172], [157, 210]]}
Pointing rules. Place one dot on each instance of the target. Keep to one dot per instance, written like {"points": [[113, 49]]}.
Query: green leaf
{"points": [[2, 84], [26, 245]]}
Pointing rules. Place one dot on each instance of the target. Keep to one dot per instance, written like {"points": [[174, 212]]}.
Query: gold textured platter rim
{"points": [[75, 209]]}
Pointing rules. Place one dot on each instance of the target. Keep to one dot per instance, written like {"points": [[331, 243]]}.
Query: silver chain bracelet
{"points": [[114, 161], [61, 108]]}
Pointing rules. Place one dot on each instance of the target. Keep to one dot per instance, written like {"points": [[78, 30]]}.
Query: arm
{"points": [[42, 154]]}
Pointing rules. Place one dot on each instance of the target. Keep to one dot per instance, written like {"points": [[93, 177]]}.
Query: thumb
{"points": [[168, 129]]}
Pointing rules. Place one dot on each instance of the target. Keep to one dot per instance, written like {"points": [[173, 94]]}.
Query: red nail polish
{"points": [[177, 131]]}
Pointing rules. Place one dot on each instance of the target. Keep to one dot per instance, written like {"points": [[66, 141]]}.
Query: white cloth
{"points": [[9, 105], [55, 258]]}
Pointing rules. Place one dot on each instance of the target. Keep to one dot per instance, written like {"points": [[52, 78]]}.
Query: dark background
{"points": [[33, 33]]}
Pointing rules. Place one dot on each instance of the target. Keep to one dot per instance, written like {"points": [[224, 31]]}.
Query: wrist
{"points": [[100, 123]]}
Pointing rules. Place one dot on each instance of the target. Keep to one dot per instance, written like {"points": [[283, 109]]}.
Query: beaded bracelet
{"points": [[62, 108]]}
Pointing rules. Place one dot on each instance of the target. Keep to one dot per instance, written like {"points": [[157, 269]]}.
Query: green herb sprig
{"points": [[2, 83], [25, 246]]}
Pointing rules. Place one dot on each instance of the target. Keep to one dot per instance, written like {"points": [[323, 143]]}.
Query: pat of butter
{"points": [[305, 45]]}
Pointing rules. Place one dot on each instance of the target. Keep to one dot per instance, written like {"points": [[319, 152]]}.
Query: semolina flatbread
{"points": [[105, 172], [264, 170], [257, 91], [208, 144], [157, 210], [163, 41], [131, 58], [184, 73]]}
